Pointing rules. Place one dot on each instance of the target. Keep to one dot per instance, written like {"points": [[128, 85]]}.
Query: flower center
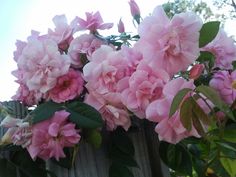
{"points": [[234, 84]]}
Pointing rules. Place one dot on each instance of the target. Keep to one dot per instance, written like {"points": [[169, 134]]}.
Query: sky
{"points": [[19, 17]]}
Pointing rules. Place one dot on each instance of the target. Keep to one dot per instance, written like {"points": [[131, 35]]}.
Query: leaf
{"points": [[45, 111], [186, 113], [197, 125], [200, 114], [121, 140], [176, 157], [214, 97], [229, 165], [7, 169], [67, 161], [229, 135], [178, 99], [226, 146], [119, 170], [208, 32], [84, 115], [206, 56], [234, 65], [93, 137]]}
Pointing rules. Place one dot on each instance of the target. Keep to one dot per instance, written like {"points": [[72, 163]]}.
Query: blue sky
{"points": [[19, 17]]}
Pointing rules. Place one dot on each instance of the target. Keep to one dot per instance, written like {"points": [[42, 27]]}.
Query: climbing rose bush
{"points": [[176, 72]]}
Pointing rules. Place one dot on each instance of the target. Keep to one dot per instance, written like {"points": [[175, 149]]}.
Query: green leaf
{"points": [[200, 114], [208, 32], [230, 135], [206, 56], [119, 170], [93, 137], [214, 97], [186, 113], [121, 140], [178, 99], [229, 165], [197, 125], [176, 157], [45, 111], [84, 115], [226, 146], [7, 169]]}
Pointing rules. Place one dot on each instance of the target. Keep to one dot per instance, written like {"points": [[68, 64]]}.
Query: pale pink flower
{"points": [[121, 26], [41, 64], [63, 33], [19, 131], [224, 49], [170, 44], [52, 135], [68, 87], [112, 110], [196, 71], [84, 44], [225, 84], [134, 8], [142, 87], [169, 129], [93, 22], [20, 45], [106, 68]]}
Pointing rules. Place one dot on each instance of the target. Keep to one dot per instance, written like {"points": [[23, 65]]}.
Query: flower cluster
{"points": [[120, 80]]}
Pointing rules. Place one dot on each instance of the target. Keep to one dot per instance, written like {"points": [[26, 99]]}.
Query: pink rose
{"points": [[93, 22], [224, 49], [142, 87], [51, 136], [112, 110], [40, 64], [170, 44], [63, 33], [169, 129], [134, 8], [84, 44], [225, 84], [68, 87]]}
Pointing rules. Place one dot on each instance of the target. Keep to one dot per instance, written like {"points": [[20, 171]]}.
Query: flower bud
{"points": [[134, 9], [121, 27], [196, 71]]}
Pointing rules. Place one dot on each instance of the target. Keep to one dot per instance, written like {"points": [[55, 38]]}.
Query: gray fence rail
{"points": [[91, 162]]}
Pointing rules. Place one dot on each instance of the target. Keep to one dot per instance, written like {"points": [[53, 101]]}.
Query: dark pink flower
{"points": [[68, 87], [196, 71], [93, 22], [52, 135]]}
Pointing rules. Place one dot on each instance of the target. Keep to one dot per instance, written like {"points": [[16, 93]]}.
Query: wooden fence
{"points": [[93, 162]]}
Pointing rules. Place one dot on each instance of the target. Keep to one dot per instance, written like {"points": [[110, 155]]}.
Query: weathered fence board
{"points": [[92, 162]]}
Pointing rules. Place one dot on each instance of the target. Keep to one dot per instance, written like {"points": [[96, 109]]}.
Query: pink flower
{"points": [[169, 129], [224, 49], [170, 44], [20, 45], [93, 22], [225, 84], [106, 68], [68, 87], [63, 33], [84, 44], [142, 87], [40, 64], [121, 27], [134, 9], [196, 71], [112, 110], [52, 135], [18, 133]]}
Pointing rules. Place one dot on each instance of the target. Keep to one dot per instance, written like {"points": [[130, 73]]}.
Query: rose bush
{"points": [[179, 73]]}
